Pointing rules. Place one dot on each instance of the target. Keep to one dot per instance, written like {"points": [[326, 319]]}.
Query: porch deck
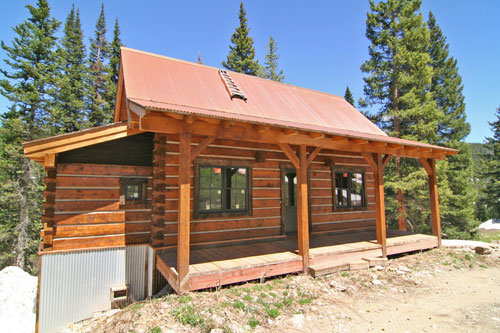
{"points": [[216, 266]]}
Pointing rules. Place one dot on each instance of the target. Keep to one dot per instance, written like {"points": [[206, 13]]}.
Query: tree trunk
{"points": [[24, 218]]}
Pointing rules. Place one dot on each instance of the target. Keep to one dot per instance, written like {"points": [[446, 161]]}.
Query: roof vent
{"points": [[231, 87]]}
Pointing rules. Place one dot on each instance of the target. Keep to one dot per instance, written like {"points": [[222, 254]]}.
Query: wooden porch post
{"points": [[303, 208], [430, 166], [184, 218], [378, 164], [380, 204]]}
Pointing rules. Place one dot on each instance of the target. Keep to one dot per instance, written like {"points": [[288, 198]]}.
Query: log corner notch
{"points": [[378, 163], [430, 166], [49, 194], [159, 189], [301, 164]]}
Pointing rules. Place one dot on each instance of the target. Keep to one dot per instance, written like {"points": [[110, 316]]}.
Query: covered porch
{"points": [[215, 265]]}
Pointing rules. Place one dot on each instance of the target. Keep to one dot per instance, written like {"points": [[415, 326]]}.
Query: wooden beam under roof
{"points": [[153, 123]]}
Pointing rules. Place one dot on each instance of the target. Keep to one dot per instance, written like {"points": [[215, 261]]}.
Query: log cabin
{"points": [[208, 177]]}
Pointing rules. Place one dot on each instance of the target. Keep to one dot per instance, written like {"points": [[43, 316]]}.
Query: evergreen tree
{"points": [[241, 57], [446, 87], [271, 70], [99, 108], [348, 96], [199, 60], [114, 68], [492, 170], [27, 84], [70, 99], [397, 81]]}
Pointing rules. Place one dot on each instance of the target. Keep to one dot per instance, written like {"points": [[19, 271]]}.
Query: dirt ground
{"points": [[443, 290]]}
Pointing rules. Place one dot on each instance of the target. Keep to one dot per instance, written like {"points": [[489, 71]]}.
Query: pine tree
{"points": [[271, 70], [348, 96], [32, 66], [397, 81], [492, 170], [114, 68], [446, 88], [72, 76], [100, 111], [199, 60], [241, 57]]}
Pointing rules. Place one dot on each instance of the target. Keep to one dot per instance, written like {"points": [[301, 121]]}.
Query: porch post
{"points": [[303, 208], [380, 203], [184, 218], [430, 166]]}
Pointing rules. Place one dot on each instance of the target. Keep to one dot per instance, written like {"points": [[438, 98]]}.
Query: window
{"points": [[349, 189], [133, 190], [223, 189]]}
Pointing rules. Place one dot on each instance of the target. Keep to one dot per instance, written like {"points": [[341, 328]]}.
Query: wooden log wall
{"points": [[88, 213], [324, 217], [266, 193]]}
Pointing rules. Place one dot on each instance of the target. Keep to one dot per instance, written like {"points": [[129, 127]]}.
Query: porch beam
{"points": [[183, 221], [430, 166], [156, 123], [303, 209], [290, 154], [369, 158], [313, 155], [201, 147]]}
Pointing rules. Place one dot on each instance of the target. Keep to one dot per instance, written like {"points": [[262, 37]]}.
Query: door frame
{"points": [[284, 167]]}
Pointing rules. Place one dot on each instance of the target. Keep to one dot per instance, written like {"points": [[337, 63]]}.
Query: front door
{"points": [[289, 182]]}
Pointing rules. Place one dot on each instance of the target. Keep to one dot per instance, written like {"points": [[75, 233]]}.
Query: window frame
{"points": [[223, 164], [349, 170], [133, 181]]}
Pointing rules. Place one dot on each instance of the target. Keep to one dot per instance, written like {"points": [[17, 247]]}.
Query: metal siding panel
{"points": [[74, 285], [150, 271], [136, 271]]}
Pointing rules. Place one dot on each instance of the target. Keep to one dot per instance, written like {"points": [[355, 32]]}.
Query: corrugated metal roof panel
{"points": [[162, 80]]}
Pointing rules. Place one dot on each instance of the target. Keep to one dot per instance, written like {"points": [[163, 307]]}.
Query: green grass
{"points": [[273, 313], [252, 322], [155, 330], [187, 315], [487, 236]]}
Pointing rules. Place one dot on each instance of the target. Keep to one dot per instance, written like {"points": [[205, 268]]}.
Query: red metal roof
{"points": [[166, 84]]}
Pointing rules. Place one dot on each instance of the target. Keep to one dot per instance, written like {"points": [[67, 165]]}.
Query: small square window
{"points": [[133, 192]]}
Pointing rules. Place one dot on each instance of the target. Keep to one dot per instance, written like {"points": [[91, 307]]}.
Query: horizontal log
{"points": [[266, 203], [88, 194], [97, 242], [63, 181], [231, 235], [103, 170], [227, 225], [342, 216], [266, 192], [343, 225], [100, 229], [88, 206], [98, 218]]}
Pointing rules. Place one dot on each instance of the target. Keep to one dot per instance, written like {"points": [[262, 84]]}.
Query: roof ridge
{"points": [[237, 73]]}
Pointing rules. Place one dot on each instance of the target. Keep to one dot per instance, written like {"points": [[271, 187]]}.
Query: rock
{"points": [[376, 282], [482, 250], [337, 286], [379, 268], [404, 269], [297, 321]]}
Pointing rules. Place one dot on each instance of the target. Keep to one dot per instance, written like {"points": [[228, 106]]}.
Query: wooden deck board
{"points": [[229, 264]]}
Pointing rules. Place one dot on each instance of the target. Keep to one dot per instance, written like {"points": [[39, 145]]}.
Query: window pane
{"points": [[210, 200], [204, 200], [356, 189], [205, 177], [216, 199], [341, 188], [217, 177], [133, 192]]}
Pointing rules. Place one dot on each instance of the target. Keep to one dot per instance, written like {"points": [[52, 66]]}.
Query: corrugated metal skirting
{"points": [[76, 284]]}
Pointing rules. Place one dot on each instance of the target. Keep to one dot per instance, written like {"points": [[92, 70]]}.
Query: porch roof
{"points": [[157, 83]]}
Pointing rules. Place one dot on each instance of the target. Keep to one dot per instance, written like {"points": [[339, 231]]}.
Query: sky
{"points": [[321, 44]]}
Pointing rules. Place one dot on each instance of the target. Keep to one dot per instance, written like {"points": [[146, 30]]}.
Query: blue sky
{"points": [[321, 43]]}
